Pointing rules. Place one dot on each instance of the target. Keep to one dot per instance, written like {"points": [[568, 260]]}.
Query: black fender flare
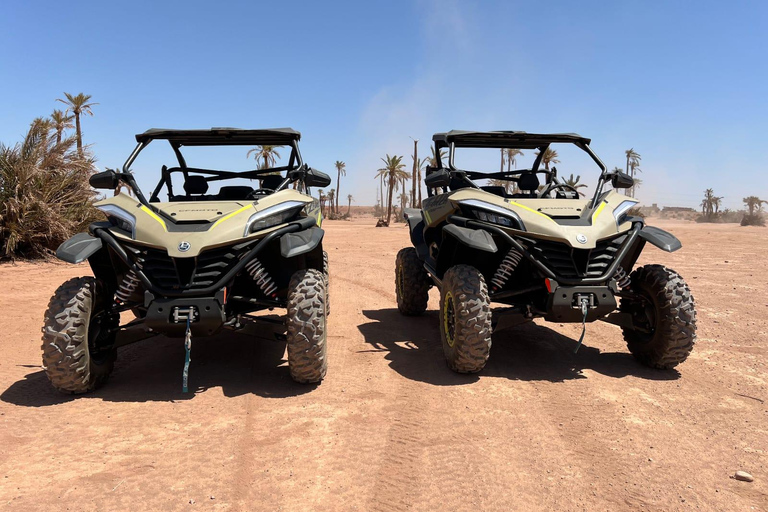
{"points": [[662, 239], [474, 238], [79, 248], [300, 242]]}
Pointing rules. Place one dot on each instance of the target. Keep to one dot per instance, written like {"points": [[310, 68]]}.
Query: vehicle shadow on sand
{"points": [[528, 352], [151, 370]]}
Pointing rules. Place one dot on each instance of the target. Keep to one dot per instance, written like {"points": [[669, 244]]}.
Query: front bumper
{"points": [[206, 315], [564, 302]]}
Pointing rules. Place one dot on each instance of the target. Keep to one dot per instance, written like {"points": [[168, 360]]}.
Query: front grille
{"points": [[573, 263], [193, 273]]}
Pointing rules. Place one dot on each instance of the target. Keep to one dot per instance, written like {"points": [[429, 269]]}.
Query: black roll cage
{"points": [[215, 137], [511, 140]]}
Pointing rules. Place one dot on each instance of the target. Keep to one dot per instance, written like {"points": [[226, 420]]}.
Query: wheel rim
{"points": [[449, 319]]}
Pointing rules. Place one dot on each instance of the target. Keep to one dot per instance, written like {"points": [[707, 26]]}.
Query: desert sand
{"points": [[391, 427]]}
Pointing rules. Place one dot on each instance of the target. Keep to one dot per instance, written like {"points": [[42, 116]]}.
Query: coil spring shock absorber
{"points": [[259, 274], [507, 266], [129, 285], [621, 277]]}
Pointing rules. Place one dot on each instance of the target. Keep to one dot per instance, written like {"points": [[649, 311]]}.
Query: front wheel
{"points": [[78, 336], [327, 274], [306, 319], [465, 319], [664, 311]]}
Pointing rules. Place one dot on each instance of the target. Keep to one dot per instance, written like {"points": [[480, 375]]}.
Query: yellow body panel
{"points": [[225, 221], [539, 215]]}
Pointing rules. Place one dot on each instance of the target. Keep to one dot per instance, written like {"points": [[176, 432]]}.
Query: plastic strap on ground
{"points": [[584, 311], [187, 358]]}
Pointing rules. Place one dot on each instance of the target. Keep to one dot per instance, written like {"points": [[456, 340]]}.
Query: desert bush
{"points": [[636, 212], [44, 193], [714, 218], [753, 220]]}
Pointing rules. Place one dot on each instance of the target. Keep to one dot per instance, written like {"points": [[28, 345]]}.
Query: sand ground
{"points": [[391, 428]]}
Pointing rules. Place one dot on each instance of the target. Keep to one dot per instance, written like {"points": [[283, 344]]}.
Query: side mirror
{"points": [[315, 178], [438, 178], [622, 180], [106, 180]]}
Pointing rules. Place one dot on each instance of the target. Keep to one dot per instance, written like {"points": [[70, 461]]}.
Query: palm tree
{"points": [[754, 204], [78, 105], [415, 172], [710, 203], [403, 201], [549, 157], [380, 175], [349, 203], [321, 197], [512, 154], [393, 170], [331, 198], [61, 121], [267, 155], [423, 162], [341, 170], [574, 182], [433, 158], [501, 169], [633, 164]]}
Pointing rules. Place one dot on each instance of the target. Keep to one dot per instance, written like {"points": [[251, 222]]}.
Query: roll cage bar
{"points": [[215, 137], [511, 140]]}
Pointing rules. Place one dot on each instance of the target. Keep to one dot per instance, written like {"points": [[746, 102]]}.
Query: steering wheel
{"points": [[260, 192], [554, 186]]}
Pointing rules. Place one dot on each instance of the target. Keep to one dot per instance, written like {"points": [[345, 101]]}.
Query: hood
{"points": [[567, 220], [201, 224], [200, 211]]}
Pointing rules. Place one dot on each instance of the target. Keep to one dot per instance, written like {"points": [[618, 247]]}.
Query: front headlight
{"points": [[493, 214], [620, 212], [273, 216], [120, 218]]}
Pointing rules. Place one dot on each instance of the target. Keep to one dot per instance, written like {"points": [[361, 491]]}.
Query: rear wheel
{"points": [[665, 314], [465, 319], [306, 320], [412, 283], [77, 336]]}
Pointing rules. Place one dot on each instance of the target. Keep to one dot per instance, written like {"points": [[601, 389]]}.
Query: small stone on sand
{"points": [[743, 476]]}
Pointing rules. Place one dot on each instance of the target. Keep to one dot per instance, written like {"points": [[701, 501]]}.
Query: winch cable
{"points": [[584, 311], [187, 359]]}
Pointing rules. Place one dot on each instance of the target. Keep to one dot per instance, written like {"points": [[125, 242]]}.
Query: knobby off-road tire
{"points": [[69, 323], [671, 314], [306, 321], [412, 283], [327, 273], [465, 319]]}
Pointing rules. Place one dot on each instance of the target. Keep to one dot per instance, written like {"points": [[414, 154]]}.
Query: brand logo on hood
{"points": [[184, 246], [582, 239]]}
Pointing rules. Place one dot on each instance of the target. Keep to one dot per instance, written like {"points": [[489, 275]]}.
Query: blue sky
{"points": [[684, 83]]}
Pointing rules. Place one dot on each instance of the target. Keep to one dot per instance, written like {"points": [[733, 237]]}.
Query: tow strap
{"points": [[584, 311], [187, 358]]}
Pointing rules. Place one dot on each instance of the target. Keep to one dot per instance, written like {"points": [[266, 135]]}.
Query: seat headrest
{"points": [[195, 185], [528, 182], [235, 192], [272, 181]]}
